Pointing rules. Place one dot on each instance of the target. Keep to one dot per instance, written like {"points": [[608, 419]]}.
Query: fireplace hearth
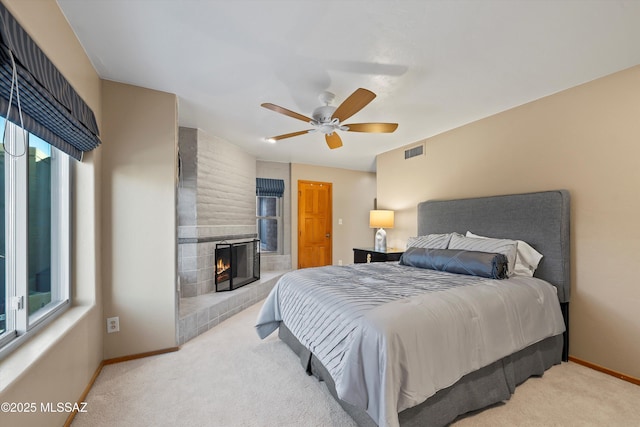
{"points": [[236, 264]]}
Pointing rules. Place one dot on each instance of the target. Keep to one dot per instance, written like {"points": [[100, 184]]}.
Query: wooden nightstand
{"points": [[362, 255]]}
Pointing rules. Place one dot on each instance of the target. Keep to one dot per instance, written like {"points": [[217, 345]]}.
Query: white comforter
{"points": [[391, 336]]}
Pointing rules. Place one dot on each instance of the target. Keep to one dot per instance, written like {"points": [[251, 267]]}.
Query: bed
{"points": [[388, 369]]}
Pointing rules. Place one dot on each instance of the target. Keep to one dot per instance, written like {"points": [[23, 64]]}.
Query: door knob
{"points": [[327, 235]]}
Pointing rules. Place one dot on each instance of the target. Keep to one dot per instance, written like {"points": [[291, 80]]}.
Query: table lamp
{"points": [[381, 219]]}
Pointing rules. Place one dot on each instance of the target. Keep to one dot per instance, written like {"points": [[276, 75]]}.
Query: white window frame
{"points": [[19, 324]]}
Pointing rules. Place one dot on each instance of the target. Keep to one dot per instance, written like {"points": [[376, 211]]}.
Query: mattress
{"points": [[391, 336]]}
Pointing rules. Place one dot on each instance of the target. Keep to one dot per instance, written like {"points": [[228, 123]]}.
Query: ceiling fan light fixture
{"points": [[270, 140], [327, 129]]}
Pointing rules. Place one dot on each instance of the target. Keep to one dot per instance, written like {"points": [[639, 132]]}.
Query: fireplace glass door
{"points": [[237, 264]]}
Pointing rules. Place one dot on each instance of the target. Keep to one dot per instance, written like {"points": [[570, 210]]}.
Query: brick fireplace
{"points": [[216, 204]]}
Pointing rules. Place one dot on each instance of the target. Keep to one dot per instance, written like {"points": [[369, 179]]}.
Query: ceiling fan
{"points": [[327, 119]]}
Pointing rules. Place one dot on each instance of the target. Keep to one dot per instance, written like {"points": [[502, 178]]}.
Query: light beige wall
{"points": [[585, 139], [139, 218], [58, 363], [353, 196]]}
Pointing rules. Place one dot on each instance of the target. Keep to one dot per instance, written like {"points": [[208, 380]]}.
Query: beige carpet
{"points": [[229, 377]]}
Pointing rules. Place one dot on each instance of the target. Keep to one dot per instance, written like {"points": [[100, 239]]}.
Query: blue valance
{"points": [[51, 108], [269, 187]]}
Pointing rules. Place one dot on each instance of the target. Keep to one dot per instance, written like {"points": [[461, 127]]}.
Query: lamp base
{"points": [[381, 241]]}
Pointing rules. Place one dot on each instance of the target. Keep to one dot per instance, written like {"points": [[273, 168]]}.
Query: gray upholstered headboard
{"points": [[540, 219]]}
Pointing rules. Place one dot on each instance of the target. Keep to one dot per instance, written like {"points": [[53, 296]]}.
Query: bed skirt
{"points": [[479, 389]]}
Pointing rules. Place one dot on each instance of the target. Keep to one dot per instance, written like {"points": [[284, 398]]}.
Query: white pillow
{"points": [[527, 258], [430, 241], [500, 246]]}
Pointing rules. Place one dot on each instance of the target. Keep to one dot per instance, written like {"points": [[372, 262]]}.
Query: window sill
{"points": [[21, 359]]}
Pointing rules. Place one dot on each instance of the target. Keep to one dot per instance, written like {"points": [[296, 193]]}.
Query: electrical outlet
{"points": [[339, 262], [113, 324]]}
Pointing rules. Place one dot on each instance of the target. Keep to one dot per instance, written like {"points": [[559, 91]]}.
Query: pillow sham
{"points": [[433, 241], [472, 263], [501, 246], [527, 258]]}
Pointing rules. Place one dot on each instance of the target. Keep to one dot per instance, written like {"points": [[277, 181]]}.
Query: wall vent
{"points": [[413, 152]]}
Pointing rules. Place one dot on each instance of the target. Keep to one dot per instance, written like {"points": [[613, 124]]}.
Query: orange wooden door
{"points": [[314, 224]]}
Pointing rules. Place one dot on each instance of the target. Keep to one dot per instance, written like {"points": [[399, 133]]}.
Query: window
{"points": [[269, 194], [34, 234], [269, 216]]}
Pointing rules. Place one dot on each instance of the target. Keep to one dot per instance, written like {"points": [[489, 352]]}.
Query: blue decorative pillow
{"points": [[494, 246], [473, 263]]}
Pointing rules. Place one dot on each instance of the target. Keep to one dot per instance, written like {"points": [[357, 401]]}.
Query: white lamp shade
{"points": [[380, 219]]}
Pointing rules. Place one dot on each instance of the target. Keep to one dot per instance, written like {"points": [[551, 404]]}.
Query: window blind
{"points": [[269, 187], [51, 108]]}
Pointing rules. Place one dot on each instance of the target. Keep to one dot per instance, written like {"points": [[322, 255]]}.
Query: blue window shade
{"points": [[269, 187], [51, 108]]}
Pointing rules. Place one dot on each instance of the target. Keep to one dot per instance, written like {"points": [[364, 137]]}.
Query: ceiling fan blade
{"points": [[333, 140], [354, 103], [286, 112], [289, 135], [372, 127]]}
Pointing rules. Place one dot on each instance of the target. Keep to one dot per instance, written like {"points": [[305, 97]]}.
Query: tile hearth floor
{"points": [[201, 313]]}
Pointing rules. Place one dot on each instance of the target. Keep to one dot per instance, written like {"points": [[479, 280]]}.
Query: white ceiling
{"points": [[435, 65]]}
